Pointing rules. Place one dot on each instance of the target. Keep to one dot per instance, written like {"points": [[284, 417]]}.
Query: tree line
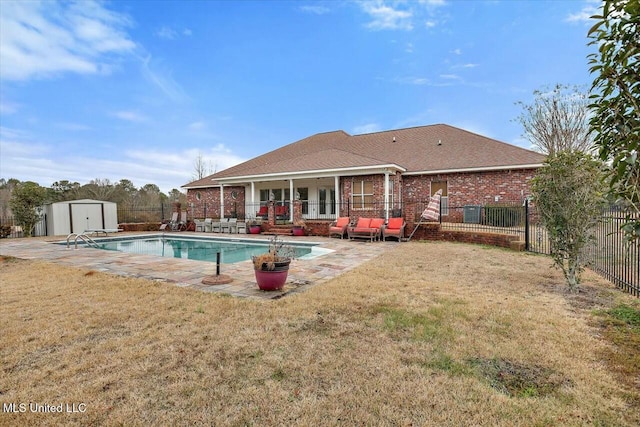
{"points": [[122, 192]]}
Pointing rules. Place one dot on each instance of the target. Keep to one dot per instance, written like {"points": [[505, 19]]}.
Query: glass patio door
{"points": [[326, 202]]}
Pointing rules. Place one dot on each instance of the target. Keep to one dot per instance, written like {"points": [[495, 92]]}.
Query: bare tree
{"points": [[557, 120], [201, 169]]}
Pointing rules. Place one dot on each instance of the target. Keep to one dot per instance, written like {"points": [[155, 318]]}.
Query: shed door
{"points": [[86, 217]]}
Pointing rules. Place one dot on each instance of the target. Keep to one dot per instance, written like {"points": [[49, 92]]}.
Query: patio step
{"points": [[280, 230]]}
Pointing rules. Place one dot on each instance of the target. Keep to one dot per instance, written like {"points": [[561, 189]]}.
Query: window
{"points": [[327, 201], [444, 200], [362, 195], [304, 199], [264, 197], [275, 193]]}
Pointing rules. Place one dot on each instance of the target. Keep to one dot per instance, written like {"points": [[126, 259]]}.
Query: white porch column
{"points": [[221, 201], [386, 195], [292, 197], [252, 200], [336, 184]]}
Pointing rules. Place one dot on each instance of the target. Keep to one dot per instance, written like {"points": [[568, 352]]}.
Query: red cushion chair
{"points": [[377, 224], [339, 226], [365, 229], [394, 228]]}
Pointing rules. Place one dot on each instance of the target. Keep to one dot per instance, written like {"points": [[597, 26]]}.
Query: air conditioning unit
{"points": [[472, 214]]}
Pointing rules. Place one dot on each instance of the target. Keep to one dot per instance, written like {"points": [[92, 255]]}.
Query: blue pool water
{"points": [[201, 249]]}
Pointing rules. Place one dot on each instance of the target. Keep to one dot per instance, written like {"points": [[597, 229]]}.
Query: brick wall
{"points": [[434, 232], [208, 206], [474, 188]]}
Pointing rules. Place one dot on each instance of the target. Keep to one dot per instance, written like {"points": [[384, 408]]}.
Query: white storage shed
{"points": [[76, 216]]}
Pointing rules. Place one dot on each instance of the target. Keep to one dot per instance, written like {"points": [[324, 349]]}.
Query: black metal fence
{"points": [[608, 254], [612, 256], [137, 214]]}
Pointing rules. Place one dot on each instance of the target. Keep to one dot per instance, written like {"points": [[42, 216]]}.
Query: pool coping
{"points": [[304, 273]]}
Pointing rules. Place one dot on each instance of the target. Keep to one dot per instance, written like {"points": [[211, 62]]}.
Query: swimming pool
{"points": [[202, 248]]}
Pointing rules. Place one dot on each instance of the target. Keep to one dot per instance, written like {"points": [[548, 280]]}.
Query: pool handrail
{"points": [[86, 239]]}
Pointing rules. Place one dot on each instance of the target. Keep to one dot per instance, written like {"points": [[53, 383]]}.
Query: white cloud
{"points": [[414, 80], [435, 3], [130, 116], [457, 51], [27, 160], [470, 65], [197, 126], [44, 39], [401, 15], [584, 15], [167, 33], [162, 79], [8, 107], [450, 77], [385, 17], [315, 9], [366, 128]]}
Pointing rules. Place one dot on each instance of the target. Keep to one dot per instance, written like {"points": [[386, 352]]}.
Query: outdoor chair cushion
{"points": [[342, 221], [376, 223], [395, 223], [363, 222]]}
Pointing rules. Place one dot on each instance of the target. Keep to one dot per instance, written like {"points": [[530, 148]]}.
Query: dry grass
{"points": [[427, 334]]}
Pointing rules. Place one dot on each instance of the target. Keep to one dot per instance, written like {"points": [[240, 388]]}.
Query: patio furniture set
{"points": [[222, 225], [368, 228]]}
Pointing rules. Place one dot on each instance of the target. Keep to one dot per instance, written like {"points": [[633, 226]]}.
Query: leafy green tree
{"points": [[26, 200], [569, 193], [64, 190], [616, 101]]}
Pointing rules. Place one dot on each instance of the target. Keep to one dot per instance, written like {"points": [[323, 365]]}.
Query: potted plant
{"points": [[299, 227], [272, 268], [254, 227]]}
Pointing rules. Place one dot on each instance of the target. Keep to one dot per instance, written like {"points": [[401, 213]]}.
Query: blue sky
{"points": [[139, 89]]}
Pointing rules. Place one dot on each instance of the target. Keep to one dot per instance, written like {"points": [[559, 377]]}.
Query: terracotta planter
{"points": [[298, 231], [254, 229], [272, 280]]}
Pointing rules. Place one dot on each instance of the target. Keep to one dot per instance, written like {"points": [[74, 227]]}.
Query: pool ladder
{"points": [[82, 236]]}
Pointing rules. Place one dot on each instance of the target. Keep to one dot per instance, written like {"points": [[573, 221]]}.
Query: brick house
{"points": [[375, 174]]}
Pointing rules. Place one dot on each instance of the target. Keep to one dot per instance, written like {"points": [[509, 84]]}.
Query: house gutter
{"points": [[311, 174], [480, 169]]}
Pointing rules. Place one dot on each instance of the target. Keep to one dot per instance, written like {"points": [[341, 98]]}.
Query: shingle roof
{"points": [[419, 149]]}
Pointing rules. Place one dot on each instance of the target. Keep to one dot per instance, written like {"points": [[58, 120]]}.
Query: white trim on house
{"points": [[482, 169], [321, 173]]}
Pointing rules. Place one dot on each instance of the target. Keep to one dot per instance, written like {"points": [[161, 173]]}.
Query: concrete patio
{"points": [[189, 273]]}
